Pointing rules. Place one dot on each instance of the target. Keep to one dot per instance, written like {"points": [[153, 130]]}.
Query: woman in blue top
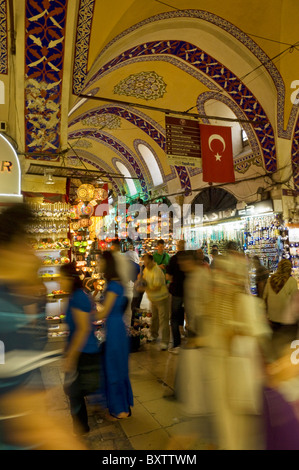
{"points": [[119, 394], [82, 356]]}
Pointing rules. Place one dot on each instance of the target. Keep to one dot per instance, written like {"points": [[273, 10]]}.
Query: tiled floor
{"points": [[157, 421]]}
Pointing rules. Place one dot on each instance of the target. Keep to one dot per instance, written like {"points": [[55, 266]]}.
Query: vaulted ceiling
{"points": [[88, 83]]}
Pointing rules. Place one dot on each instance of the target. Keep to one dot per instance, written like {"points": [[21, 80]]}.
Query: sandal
{"points": [[120, 417]]}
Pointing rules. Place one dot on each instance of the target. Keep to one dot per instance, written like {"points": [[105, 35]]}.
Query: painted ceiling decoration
{"points": [[3, 38], [98, 78], [295, 155], [107, 121], [240, 36], [80, 68], [220, 74], [151, 128], [44, 39], [83, 144], [144, 85]]}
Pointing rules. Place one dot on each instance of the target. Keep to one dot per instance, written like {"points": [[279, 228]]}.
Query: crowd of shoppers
{"points": [[202, 309]]}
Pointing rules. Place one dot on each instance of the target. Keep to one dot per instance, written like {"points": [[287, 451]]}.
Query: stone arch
{"points": [[239, 36], [118, 147], [208, 65], [139, 119]]}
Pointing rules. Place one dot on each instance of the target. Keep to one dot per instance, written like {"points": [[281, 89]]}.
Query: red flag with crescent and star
{"points": [[217, 154]]}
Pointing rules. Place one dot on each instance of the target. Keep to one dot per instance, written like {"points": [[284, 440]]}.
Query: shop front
{"points": [[10, 174], [257, 229]]}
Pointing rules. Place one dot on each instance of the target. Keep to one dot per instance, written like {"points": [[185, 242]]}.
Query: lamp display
{"points": [[85, 192]]}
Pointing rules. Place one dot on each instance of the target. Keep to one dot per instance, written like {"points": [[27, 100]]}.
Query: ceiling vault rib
{"points": [[170, 111], [69, 172]]}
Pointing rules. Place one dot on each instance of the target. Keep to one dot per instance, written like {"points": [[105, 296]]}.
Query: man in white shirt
{"points": [[158, 296], [132, 255]]}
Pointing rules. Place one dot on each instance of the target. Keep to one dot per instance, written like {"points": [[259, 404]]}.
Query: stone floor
{"points": [[157, 421]]}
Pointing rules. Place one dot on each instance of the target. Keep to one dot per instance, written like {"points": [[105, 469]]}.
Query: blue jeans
{"points": [[177, 318]]}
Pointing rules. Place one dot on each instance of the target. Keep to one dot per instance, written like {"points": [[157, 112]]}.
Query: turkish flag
{"points": [[217, 154]]}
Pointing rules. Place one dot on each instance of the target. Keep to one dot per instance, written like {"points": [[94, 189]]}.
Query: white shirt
{"points": [[155, 278], [277, 303], [132, 256]]}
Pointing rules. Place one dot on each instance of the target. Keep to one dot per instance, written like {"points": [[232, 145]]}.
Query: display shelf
{"points": [[49, 278], [51, 250], [52, 265]]}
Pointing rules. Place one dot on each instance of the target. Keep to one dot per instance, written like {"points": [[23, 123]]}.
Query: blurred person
{"points": [[127, 272], [122, 263], [202, 259], [117, 391], [281, 395], [158, 296], [134, 262], [196, 293], [278, 292], [190, 383], [132, 255], [137, 295], [261, 276], [176, 276], [82, 355], [214, 255], [25, 421], [236, 319], [161, 257]]}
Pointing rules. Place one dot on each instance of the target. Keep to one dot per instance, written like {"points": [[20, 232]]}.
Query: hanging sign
{"points": [[10, 173], [183, 142]]}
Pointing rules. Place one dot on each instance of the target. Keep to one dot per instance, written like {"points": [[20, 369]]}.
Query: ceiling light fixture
{"points": [[49, 177]]}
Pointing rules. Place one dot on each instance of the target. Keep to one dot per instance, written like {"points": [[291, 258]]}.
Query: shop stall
{"points": [[49, 237], [293, 241]]}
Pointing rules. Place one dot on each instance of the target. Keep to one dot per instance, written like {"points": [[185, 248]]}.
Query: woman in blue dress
{"points": [[118, 391]]}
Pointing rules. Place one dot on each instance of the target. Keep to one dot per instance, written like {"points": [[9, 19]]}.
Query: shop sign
{"points": [[220, 215], [259, 208], [183, 142], [10, 172], [289, 192]]}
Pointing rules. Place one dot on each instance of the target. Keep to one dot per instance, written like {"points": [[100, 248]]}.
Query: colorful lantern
{"points": [[85, 192], [100, 194], [85, 210]]}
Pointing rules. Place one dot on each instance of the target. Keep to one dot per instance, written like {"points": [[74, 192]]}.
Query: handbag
{"points": [[140, 285]]}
